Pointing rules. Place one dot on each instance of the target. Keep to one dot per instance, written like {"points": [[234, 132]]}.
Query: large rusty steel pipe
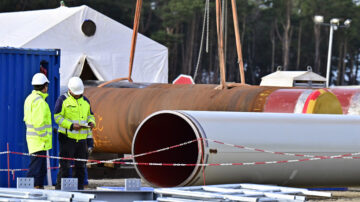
{"points": [[307, 134], [119, 111]]}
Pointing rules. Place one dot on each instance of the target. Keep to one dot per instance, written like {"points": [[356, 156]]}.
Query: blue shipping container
{"points": [[17, 67]]}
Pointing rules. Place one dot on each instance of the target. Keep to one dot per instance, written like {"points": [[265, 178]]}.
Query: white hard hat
{"points": [[76, 85], [39, 79]]}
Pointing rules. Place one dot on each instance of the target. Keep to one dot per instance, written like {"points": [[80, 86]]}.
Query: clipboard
{"points": [[85, 126]]}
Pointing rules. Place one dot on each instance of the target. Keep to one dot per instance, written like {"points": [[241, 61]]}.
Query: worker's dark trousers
{"points": [[37, 168], [69, 148]]}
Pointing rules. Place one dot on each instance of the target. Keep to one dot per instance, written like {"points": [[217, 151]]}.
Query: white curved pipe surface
{"points": [[310, 134]]}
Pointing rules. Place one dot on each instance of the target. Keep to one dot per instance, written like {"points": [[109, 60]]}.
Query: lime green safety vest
{"points": [[71, 111], [37, 117]]}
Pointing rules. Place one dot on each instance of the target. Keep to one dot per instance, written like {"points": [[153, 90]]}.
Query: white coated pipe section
{"points": [[310, 134]]}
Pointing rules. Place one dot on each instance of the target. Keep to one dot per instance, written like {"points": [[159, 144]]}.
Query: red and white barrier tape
{"points": [[116, 161], [219, 164], [105, 161], [238, 164], [152, 152], [278, 153], [234, 164], [26, 169], [13, 170], [57, 157]]}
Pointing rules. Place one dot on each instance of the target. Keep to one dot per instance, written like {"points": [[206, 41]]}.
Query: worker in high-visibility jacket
{"points": [[75, 119], [37, 117]]}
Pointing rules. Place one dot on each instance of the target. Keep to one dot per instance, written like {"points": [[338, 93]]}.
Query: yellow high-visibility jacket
{"points": [[37, 117], [69, 110]]}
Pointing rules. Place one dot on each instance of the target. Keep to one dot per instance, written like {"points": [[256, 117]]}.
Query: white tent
{"points": [[107, 51]]}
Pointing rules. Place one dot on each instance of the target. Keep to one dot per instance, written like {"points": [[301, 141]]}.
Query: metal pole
{"points": [[48, 169], [329, 55], [8, 163]]}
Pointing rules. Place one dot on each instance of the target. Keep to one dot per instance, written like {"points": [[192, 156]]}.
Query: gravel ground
{"points": [[353, 193]]}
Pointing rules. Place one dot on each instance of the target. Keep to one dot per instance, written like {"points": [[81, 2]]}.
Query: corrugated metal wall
{"points": [[17, 66]]}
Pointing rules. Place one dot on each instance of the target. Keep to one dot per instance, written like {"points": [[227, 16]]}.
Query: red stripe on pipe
{"points": [[283, 100], [313, 96]]}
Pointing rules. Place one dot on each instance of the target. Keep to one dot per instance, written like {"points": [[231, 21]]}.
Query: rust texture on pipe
{"points": [[119, 111]]}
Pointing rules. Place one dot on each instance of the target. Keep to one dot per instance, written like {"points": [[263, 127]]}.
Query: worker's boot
{"points": [[39, 187], [58, 186]]}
